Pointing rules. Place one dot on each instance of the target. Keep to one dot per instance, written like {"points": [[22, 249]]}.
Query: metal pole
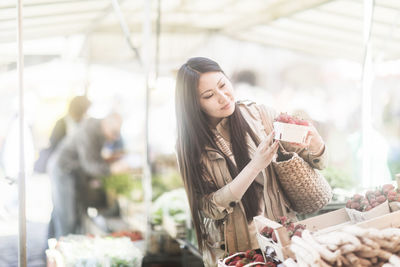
{"points": [[367, 79], [158, 33], [146, 67], [21, 174], [125, 28]]}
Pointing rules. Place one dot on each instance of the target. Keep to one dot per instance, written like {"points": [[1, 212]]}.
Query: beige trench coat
{"points": [[223, 214]]}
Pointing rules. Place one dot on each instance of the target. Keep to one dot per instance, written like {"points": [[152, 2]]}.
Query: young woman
{"points": [[224, 156]]}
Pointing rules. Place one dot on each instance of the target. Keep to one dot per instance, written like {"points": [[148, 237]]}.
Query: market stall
{"points": [[363, 32]]}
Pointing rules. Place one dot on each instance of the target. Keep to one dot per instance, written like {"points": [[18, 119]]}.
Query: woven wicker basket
{"points": [[305, 187]]}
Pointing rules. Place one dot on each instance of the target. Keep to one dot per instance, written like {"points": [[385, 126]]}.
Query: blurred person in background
{"points": [[75, 165], [65, 126], [224, 156]]}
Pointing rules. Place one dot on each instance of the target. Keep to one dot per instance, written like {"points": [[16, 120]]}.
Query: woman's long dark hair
{"points": [[194, 134]]}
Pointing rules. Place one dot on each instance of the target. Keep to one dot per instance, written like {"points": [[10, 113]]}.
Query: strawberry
{"points": [[381, 199], [369, 207], [232, 263], [387, 187], [258, 258], [250, 253], [348, 204], [298, 233], [357, 197], [242, 262], [355, 205]]}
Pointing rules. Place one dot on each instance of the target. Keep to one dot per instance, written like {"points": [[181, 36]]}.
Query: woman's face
{"points": [[216, 97]]}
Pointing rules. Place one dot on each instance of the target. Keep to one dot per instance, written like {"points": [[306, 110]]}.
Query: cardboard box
{"points": [[290, 132], [323, 223], [391, 220], [222, 262], [359, 216]]}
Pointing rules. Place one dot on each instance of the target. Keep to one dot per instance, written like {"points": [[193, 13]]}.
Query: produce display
{"points": [[85, 251], [292, 230], [133, 235], [371, 199], [285, 118], [250, 257], [174, 204], [349, 246]]}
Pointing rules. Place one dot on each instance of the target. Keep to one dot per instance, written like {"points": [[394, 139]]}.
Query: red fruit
{"points": [[369, 193], [387, 187], [242, 262], [355, 205], [232, 263], [302, 122], [357, 197], [377, 193], [300, 226], [392, 198], [282, 220], [368, 208], [348, 204], [283, 117], [298, 233], [237, 258], [249, 254], [258, 258], [381, 199]]}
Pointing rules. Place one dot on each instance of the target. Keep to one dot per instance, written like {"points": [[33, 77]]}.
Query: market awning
{"points": [[328, 28]]}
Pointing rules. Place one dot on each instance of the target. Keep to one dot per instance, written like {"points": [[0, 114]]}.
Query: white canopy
{"points": [[328, 28]]}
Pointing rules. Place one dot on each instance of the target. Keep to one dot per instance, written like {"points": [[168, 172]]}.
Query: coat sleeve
{"points": [[218, 204], [316, 161], [90, 158]]}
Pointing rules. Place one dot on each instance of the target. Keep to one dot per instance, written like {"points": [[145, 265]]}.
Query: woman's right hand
{"points": [[265, 152]]}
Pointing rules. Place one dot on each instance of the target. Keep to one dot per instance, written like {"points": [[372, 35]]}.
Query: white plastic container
{"points": [[290, 132]]}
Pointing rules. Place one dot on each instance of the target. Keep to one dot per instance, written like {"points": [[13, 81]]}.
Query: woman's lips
{"points": [[227, 106]]}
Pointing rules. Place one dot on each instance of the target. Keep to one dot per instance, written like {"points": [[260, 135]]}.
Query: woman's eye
{"points": [[222, 85], [208, 96]]}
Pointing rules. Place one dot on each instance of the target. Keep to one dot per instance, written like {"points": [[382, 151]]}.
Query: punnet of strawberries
{"points": [[292, 230], [373, 198], [285, 118], [251, 256]]}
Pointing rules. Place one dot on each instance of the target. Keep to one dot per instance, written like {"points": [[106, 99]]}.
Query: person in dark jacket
{"points": [[64, 126], [76, 162]]}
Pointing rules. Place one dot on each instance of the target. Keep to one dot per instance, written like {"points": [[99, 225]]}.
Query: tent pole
{"points": [[21, 174], [146, 67], [366, 104]]}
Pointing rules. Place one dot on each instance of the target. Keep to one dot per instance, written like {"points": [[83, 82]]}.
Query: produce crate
{"points": [[280, 232], [391, 220], [223, 262], [326, 222], [359, 216]]}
